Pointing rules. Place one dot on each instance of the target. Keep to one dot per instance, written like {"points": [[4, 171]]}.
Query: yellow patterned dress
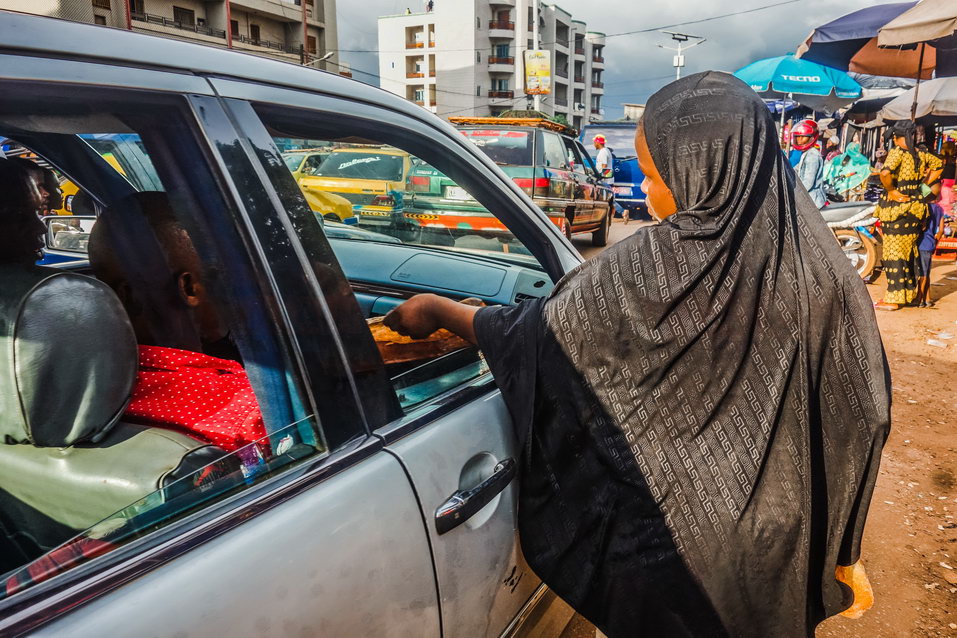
{"points": [[902, 222]]}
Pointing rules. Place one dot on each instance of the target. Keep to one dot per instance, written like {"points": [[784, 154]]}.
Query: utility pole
{"points": [[681, 38], [537, 102]]}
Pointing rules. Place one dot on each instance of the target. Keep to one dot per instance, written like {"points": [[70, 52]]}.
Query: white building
{"points": [[466, 58], [272, 28]]}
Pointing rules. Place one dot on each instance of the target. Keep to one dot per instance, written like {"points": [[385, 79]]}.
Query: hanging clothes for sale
{"points": [[702, 407]]}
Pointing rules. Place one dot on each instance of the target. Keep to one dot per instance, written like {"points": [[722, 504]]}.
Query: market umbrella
{"points": [[818, 87], [937, 98], [926, 21], [850, 43]]}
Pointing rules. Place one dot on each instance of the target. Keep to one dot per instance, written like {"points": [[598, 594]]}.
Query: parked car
{"points": [[626, 175], [541, 157], [371, 178], [382, 501]]}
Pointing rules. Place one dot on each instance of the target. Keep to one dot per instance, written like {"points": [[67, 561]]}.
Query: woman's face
{"points": [[900, 142], [660, 200]]}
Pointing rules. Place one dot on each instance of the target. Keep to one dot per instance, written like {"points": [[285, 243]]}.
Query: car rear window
{"points": [[293, 160], [362, 166], [619, 139], [503, 146]]}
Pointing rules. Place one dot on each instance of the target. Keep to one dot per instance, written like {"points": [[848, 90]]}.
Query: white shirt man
{"points": [[604, 161]]}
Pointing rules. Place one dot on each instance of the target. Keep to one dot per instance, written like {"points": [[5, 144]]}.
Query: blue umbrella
{"points": [[813, 85]]}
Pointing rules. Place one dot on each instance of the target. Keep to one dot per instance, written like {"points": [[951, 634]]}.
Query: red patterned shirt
{"points": [[207, 398]]}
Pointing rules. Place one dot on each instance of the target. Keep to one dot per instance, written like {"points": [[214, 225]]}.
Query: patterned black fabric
{"points": [[702, 406]]}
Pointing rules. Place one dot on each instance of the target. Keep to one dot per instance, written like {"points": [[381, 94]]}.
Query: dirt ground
{"points": [[910, 542]]}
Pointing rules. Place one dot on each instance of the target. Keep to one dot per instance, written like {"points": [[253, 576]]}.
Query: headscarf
{"points": [[703, 405], [848, 170], [908, 130]]}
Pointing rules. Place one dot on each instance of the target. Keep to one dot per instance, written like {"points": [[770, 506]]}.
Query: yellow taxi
{"points": [[372, 179]]}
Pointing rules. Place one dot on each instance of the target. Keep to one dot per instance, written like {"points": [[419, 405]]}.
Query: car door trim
{"points": [[51, 599]]}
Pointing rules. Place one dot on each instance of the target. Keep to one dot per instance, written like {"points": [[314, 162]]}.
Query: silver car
{"points": [[382, 500]]}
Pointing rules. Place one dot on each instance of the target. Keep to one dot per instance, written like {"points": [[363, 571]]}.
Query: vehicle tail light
{"points": [[421, 184], [527, 183], [383, 200]]}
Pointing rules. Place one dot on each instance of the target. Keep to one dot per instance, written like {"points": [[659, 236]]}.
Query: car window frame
{"points": [[450, 143]]}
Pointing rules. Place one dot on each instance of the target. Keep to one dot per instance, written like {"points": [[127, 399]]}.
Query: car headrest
{"points": [[68, 357]]}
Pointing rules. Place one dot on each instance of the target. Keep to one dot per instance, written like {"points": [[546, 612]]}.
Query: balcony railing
{"points": [[598, 59], [150, 18], [268, 44], [579, 50], [432, 73], [562, 73], [595, 110], [580, 79], [503, 25], [498, 60], [414, 45], [414, 74], [502, 94], [597, 85], [561, 101], [562, 41]]}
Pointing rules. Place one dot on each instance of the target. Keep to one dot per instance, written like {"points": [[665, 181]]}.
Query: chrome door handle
{"points": [[463, 504]]}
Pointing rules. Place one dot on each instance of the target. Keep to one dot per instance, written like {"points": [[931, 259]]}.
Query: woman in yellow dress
{"points": [[902, 209]]}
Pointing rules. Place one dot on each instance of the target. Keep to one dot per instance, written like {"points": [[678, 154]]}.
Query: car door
{"points": [[589, 208], [324, 534], [453, 435]]}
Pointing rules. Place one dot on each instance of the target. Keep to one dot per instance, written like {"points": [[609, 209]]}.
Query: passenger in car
{"points": [[702, 407], [204, 396], [51, 195], [21, 231]]}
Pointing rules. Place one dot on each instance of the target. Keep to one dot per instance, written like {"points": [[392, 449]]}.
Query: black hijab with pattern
{"points": [[702, 407]]}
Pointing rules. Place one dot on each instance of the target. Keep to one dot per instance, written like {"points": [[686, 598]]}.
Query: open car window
{"points": [[424, 229]]}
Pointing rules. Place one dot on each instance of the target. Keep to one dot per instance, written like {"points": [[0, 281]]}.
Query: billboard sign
{"points": [[538, 72]]}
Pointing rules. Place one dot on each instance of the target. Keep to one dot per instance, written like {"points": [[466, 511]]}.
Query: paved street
{"points": [[619, 231]]}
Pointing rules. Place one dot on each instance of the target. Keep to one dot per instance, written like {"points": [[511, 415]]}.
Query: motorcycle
{"points": [[857, 231]]}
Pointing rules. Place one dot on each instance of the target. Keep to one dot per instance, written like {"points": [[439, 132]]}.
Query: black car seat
{"points": [[68, 361]]}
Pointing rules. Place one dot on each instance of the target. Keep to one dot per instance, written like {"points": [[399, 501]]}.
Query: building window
{"points": [[500, 84], [234, 28], [98, 19], [419, 95], [101, 4], [501, 51], [254, 33], [478, 90], [136, 6], [311, 44], [186, 17], [478, 56], [478, 24]]}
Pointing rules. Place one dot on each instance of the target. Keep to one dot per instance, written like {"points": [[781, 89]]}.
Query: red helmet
{"points": [[804, 128]]}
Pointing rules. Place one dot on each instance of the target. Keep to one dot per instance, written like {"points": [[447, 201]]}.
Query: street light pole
{"points": [[681, 38]]}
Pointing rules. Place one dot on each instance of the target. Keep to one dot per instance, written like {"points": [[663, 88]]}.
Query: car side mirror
{"points": [[68, 233]]}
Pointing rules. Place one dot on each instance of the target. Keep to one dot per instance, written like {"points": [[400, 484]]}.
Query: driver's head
{"points": [[181, 257], [21, 231]]}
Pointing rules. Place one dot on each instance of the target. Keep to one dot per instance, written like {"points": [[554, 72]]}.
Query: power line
{"points": [[611, 35]]}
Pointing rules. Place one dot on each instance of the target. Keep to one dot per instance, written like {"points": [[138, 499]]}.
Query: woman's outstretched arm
{"points": [[422, 315]]}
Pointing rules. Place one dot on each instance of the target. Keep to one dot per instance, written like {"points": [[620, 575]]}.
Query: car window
{"points": [[503, 146], [620, 140], [575, 160], [165, 345], [554, 150], [427, 231]]}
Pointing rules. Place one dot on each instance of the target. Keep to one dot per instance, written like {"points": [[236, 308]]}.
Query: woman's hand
{"points": [[415, 318], [897, 196]]}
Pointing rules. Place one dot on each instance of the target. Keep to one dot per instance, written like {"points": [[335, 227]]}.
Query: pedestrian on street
{"points": [[833, 148], [906, 176], [604, 161], [948, 154], [702, 406], [810, 167], [926, 246]]}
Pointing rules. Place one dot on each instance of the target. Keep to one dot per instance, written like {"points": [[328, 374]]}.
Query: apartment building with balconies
{"points": [[466, 57], [273, 28]]}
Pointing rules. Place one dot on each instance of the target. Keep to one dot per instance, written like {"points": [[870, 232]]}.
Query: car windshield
{"points": [[502, 145], [619, 139], [359, 165], [293, 160]]}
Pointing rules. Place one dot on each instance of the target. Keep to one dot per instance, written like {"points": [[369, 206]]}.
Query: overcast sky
{"points": [[635, 66]]}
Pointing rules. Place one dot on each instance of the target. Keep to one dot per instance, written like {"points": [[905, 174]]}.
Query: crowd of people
{"points": [[915, 203]]}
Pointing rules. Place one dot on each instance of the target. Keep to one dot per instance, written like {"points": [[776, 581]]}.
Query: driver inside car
{"points": [[207, 397], [21, 231]]}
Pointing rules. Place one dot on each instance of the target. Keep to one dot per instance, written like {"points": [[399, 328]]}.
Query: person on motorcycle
{"points": [[810, 168]]}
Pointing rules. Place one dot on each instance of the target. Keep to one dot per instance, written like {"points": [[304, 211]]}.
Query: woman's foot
{"points": [[887, 307]]}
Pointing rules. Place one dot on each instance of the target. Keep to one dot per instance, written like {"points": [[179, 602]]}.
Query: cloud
{"points": [[635, 66]]}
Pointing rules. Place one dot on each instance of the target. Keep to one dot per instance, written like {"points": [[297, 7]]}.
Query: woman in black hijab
{"points": [[703, 405]]}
